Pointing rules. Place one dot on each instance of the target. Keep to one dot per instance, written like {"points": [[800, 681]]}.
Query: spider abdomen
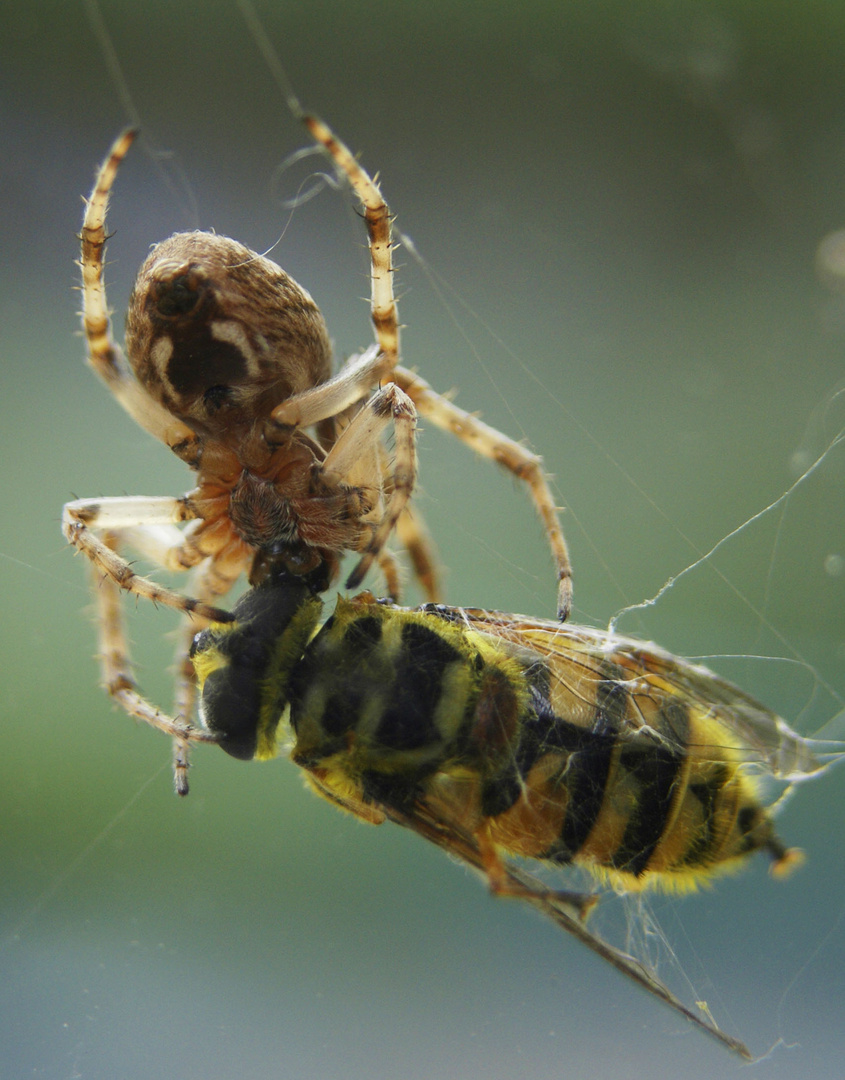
{"points": [[219, 334]]}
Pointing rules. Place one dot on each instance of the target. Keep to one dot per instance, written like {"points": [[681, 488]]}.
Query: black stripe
{"points": [[360, 637], [749, 821], [408, 721], [706, 837], [589, 767], [656, 770], [500, 793], [337, 665], [583, 776], [545, 731], [540, 732], [586, 783], [342, 711], [656, 773]]}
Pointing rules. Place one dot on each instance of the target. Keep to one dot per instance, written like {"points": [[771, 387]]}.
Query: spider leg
{"points": [[354, 461], [372, 366], [211, 580], [354, 381], [414, 537], [104, 355], [490, 443], [148, 526], [116, 668], [377, 216], [485, 440], [137, 517], [389, 566]]}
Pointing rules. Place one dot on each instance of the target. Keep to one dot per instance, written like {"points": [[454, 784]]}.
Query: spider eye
{"points": [[215, 397], [177, 296]]}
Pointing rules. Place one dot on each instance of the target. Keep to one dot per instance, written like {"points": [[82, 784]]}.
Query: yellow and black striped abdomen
{"points": [[645, 789], [563, 758]]}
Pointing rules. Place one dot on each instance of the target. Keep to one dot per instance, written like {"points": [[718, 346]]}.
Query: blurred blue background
{"points": [[620, 208]]}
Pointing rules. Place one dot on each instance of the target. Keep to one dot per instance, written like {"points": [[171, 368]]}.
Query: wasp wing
{"points": [[587, 665], [569, 911]]}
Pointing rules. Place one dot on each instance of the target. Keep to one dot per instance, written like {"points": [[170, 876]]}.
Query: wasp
{"points": [[500, 737]]}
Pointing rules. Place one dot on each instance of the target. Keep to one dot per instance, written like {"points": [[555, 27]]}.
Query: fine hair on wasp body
{"points": [[228, 363], [500, 738]]}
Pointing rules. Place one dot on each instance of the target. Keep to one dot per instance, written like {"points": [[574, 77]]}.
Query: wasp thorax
{"points": [[219, 335]]}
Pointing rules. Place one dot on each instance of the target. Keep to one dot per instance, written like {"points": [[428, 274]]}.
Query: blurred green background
{"points": [[619, 206]]}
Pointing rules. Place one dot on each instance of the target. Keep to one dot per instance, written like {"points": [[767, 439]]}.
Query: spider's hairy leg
{"points": [[355, 461], [413, 536], [389, 566], [490, 443], [415, 539], [95, 315], [212, 579], [354, 381], [483, 439], [377, 216], [116, 673], [116, 515], [104, 355]]}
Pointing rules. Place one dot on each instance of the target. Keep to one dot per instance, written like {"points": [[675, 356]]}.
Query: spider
{"points": [[228, 363]]}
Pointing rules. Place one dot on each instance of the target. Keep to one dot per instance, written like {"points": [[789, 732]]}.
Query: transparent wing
{"points": [[568, 914], [604, 681]]}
